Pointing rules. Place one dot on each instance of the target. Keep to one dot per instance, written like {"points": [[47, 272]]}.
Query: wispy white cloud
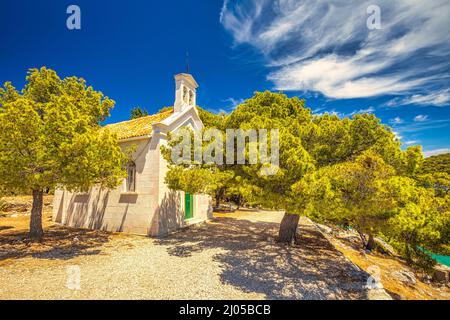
{"points": [[360, 111], [334, 112], [435, 152], [239, 18], [223, 10], [326, 47], [414, 127], [438, 98], [420, 118], [411, 142], [396, 120], [234, 102], [397, 134]]}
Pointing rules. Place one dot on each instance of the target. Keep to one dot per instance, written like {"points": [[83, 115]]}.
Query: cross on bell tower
{"points": [[187, 62]]}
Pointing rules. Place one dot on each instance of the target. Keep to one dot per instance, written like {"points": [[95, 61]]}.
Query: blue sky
{"points": [[319, 50]]}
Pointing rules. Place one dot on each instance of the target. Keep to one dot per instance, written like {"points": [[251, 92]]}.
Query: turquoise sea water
{"points": [[445, 260], [441, 259]]}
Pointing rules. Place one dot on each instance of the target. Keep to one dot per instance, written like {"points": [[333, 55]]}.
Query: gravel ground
{"points": [[232, 257]]}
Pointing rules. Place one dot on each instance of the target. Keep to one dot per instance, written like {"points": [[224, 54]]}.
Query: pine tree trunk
{"points": [[409, 259], [239, 200], [370, 243], [217, 200], [363, 239], [288, 228], [36, 231]]}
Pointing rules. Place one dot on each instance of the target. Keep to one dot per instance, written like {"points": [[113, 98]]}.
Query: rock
{"points": [[325, 229], [441, 273], [406, 277], [384, 247], [426, 279], [378, 294], [445, 295]]}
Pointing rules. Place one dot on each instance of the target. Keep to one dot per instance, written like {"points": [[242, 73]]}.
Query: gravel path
{"points": [[232, 257]]}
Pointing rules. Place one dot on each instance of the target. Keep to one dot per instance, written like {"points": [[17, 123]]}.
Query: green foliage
{"points": [[439, 163], [267, 110], [137, 112], [367, 195], [165, 109], [438, 181], [196, 177], [350, 193], [413, 160], [3, 205], [51, 136], [421, 222], [434, 173], [342, 171], [211, 120], [200, 178], [307, 143]]}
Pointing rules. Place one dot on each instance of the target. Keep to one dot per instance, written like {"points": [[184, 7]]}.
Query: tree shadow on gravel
{"points": [[254, 262], [58, 243]]}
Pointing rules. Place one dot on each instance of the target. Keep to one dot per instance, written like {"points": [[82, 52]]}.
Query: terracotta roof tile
{"points": [[137, 127]]}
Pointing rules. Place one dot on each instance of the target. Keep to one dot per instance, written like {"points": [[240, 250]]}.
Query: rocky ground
{"points": [[398, 279], [232, 257]]}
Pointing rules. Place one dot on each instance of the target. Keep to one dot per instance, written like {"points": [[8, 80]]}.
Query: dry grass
{"points": [[387, 265], [17, 217], [58, 241]]}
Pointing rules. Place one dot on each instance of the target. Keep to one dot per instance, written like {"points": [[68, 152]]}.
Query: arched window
{"points": [[131, 177], [191, 98], [184, 94]]}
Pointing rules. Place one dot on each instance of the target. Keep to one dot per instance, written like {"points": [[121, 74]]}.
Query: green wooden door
{"points": [[188, 205]]}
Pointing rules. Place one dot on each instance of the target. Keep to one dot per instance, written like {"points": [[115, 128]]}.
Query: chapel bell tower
{"points": [[185, 91]]}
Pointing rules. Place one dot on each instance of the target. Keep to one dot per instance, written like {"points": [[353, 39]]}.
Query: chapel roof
{"points": [[137, 127]]}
